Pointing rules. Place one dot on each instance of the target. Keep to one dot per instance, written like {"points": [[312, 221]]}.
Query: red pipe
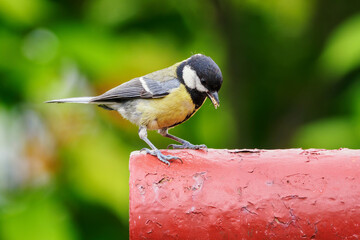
{"points": [[246, 194]]}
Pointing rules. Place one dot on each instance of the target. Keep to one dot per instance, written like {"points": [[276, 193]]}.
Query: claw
{"points": [[163, 158], [188, 145]]}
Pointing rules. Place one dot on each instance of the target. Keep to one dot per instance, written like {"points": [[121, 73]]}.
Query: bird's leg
{"points": [[154, 151], [184, 143]]}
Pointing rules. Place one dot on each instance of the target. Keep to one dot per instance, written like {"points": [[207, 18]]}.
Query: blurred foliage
{"points": [[291, 79]]}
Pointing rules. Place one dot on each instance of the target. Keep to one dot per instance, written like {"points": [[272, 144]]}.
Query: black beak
{"points": [[214, 97]]}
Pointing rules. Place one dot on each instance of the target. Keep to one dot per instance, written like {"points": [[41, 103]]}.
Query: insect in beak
{"points": [[214, 97]]}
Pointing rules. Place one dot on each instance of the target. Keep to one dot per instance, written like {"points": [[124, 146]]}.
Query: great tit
{"points": [[163, 99]]}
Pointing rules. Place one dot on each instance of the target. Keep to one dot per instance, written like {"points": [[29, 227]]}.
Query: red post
{"points": [[246, 194]]}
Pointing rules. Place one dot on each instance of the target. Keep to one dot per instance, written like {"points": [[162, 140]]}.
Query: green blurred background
{"points": [[291, 79]]}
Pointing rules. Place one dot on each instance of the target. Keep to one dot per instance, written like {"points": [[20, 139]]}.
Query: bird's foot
{"points": [[164, 158], [187, 145]]}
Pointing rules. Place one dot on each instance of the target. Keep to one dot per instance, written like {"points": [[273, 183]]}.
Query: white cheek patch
{"points": [[192, 80], [189, 77]]}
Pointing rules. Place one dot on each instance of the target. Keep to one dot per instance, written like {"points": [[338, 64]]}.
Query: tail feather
{"points": [[72, 100]]}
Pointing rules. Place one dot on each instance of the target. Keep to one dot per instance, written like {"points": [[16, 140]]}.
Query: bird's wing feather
{"points": [[138, 88]]}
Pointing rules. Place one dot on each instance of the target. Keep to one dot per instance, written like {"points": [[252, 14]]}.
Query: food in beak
{"points": [[214, 97]]}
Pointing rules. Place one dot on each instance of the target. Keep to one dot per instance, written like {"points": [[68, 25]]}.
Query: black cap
{"points": [[207, 70]]}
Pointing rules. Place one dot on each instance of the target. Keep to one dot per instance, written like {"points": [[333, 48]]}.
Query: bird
{"points": [[163, 99]]}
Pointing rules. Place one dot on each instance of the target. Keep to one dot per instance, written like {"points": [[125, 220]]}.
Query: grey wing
{"points": [[138, 88]]}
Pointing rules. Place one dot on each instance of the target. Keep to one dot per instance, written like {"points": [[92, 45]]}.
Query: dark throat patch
{"points": [[197, 97]]}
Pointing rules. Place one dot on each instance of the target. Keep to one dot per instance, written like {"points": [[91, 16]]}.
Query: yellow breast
{"points": [[168, 111]]}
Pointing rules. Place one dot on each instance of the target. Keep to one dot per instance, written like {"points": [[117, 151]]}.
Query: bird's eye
{"points": [[202, 80]]}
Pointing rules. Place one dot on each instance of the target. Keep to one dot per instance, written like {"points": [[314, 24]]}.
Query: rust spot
{"points": [[245, 209], [311, 152], [278, 221], [291, 197], [151, 222], [141, 189], [245, 151], [315, 231], [148, 174], [305, 182], [163, 180]]}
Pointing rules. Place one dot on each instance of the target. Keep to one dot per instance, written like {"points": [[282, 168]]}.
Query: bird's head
{"points": [[202, 74]]}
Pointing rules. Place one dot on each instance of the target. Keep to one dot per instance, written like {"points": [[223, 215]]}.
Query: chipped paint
{"points": [[246, 194]]}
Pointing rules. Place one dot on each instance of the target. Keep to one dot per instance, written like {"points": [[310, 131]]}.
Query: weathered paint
{"points": [[246, 194]]}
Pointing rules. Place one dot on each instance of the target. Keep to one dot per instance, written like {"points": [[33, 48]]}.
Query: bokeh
{"points": [[291, 79]]}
